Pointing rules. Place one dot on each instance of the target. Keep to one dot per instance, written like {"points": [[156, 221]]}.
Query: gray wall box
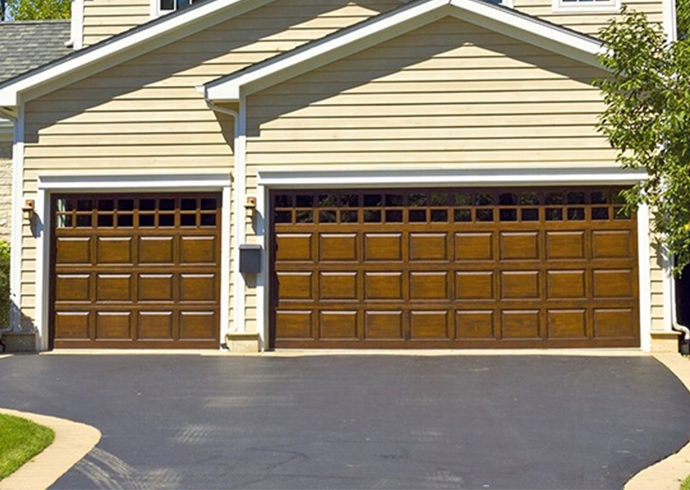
{"points": [[250, 258]]}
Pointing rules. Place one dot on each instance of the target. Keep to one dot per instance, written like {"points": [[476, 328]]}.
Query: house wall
{"points": [[147, 116], [105, 18], [447, 95], [589, 23]]}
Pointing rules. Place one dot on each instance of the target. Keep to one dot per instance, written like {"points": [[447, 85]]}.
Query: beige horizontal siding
{"points": [[587, 22], [106, 18], [146, 114], [470, 77]]}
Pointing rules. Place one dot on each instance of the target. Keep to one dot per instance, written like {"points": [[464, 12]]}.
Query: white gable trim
{"points": [[478, 12], [109, 54]]}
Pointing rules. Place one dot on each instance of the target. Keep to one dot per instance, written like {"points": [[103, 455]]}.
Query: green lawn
{"points": [[20, 440]]}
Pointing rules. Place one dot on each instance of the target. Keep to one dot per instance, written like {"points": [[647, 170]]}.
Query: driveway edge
{"points": [[668, 473], [73, 440]]}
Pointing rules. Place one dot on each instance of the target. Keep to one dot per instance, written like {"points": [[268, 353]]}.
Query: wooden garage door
{"points": [[453, 268], [136, 271]]}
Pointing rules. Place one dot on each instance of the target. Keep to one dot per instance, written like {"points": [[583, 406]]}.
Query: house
{"points": [[331, 174]]}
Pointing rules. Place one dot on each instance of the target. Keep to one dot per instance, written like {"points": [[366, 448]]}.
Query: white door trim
{"points": [[100, 183], [415, 177]]}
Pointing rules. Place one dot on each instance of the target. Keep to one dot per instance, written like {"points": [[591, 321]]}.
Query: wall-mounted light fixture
{"points": [[28, 209]]}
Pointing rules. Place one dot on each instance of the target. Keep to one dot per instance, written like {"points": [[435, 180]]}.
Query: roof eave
{"points": [[120, 48]]}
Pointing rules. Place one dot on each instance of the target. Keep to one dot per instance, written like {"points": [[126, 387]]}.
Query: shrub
{"points": [[4, 284]]}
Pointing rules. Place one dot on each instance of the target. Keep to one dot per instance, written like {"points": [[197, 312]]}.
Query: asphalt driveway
{"points": [[193, 422]]}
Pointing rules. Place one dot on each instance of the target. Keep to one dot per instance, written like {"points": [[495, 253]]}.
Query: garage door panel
{"points": [[156, 287], [455, 267], [383, 247], [520, 285], [73, 325], [338, 247], [198, 287], [338, 325], [429, 285], [613, 283], [73, 250], [113, 325], [566, 284], [474, 285], [73, 287], [156, 250], [609, 244], [295, 285], [338, 286], [114, 287], [294, 247], [143, 273], [428, 246], [198, 250], [429, 325], [383, 286], [474, 246], [567, 324], [293, 324], [198, 325], [520, 324], [613, 323], [115, 250], [383, 325], [565, 245], [474, 325], [155, 325], [519, 246]]}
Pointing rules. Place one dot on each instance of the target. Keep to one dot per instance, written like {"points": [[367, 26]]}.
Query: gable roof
{"points": [[28, 45], [388, 25], [122, 47]]}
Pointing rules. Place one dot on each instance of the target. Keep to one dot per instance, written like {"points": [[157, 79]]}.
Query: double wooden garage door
{"points": [[136, 271], [453, 268]]}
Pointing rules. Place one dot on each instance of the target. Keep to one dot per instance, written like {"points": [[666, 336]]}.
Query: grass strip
{"points": [[20, 440]]}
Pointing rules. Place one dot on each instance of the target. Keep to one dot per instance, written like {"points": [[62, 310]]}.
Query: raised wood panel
{"points": [[73, 250], [297, 247], [474, 325], [73, 287], [474, 285], [156, 287], [387, 246], [473, 246], [155, 325], [520, 285], [113, 325], [428, 325], [73, 325], [519, 246], [429, 285], [517, 324], [565, 245], [567, 324], [339, 325], [383, 325], [566, 284], [295, 285], [383, 286], [338, 285], [338, 247], [114, 287], [428, 246], [156, 250], [198, 325]]}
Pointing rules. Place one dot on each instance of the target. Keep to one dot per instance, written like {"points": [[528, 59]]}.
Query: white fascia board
{"points": [[474, 176], [125, 48], [339, 46], [478, 12]]}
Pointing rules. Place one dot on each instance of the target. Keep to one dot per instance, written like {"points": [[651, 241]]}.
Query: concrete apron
{"points": [[72, 442]]}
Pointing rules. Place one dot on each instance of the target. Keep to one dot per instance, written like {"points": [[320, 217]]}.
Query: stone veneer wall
{"points": [[5, 189]]}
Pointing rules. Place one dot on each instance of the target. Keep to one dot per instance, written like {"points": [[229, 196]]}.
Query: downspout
{"points": [[236, 276], [674, 315]]}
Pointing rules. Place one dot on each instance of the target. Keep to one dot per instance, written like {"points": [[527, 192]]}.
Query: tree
{"points": [[37, 9], [647, 119]]}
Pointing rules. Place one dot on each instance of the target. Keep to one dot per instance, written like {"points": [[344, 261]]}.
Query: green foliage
{"points": [[683, 18], [647, 120], [4, 284], [686, 484], [38, 9], [20, 440]]}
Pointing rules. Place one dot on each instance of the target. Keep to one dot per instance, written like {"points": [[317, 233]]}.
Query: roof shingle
{"points": [[28, 45]]}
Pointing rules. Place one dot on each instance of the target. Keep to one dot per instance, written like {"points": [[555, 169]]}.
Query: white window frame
{"points": [[587, 6]]}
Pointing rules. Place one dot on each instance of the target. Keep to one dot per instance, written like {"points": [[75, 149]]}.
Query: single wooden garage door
{"points": [[136, 271], [453, 268]]}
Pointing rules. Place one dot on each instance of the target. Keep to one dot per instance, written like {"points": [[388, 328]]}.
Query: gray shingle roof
{"points": [[28, 45]]}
